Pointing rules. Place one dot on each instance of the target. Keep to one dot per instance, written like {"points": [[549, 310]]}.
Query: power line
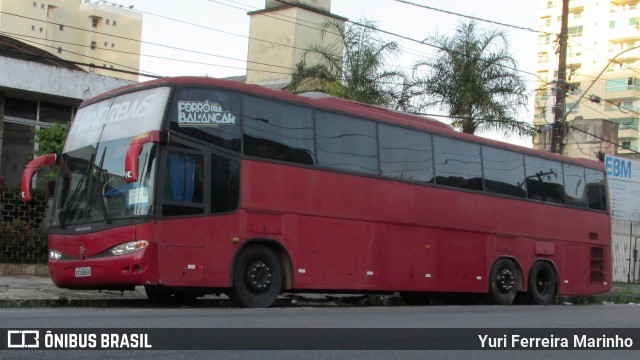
{"points": [[421, 42], [147, 42], [125, 52], [473, 17], [603, 139], [598, 137], [25, 38], [84, 64], [604, 56], [208, 54]]}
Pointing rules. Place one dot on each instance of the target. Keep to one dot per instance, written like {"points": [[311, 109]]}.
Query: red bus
{"points": [[191, 186]]}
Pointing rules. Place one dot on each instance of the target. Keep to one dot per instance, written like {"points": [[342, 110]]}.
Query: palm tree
{"points": [[475, 80], [354, 68]]}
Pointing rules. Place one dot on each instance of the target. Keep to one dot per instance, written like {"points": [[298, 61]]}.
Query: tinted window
{"points": [[405, 154], [346, 143], [503, 172], [278, 131], [574, 185], [457, 163], [184, 184], [212, 116], [225, 184], [544, 180], [596, 189]]}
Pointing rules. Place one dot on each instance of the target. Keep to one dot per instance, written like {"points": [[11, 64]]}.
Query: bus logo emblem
{"points": [[82, 251]]}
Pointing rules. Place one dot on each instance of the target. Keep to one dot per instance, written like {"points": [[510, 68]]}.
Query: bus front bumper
{"points": [[117, 272]]}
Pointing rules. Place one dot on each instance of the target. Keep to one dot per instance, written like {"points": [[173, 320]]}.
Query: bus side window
{"points": [[225, 184], [457, 163], [184, 183], [596, 189], [574, 185], [276, 130], [544, 180], [405, 154], [504, 172]]}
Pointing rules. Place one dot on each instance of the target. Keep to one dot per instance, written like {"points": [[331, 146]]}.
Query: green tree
{"points": [[474, 78], [50, 140], [354, 68]]}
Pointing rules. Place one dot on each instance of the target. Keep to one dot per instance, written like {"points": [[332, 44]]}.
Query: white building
{"points": [[83, 31], [602, 36]]}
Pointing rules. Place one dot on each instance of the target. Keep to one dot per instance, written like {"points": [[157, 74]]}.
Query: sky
{"points": [[211, 36]]}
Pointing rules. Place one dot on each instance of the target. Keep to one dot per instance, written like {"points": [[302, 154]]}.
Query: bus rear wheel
{"points": [[542, 283], [257, 278], [503, 282]]}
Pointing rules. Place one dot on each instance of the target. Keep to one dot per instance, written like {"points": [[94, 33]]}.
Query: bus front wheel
{"points": [[503, 282], [542, 283], [257, 278]]}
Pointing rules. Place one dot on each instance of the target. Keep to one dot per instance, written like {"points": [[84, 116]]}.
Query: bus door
{"points": [[198, 219], [181, 234]]}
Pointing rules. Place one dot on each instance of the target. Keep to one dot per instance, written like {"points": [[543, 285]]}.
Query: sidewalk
{"points": [[26, 291]]}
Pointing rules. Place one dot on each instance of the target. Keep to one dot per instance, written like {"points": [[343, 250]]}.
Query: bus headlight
{"points": [[130, 247], [55, 255]]}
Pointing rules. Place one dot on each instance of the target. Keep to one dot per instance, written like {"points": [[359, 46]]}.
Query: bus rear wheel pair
{"points": [[504, 282]]}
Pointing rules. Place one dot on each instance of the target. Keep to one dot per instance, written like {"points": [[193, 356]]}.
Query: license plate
{"points": [[83, 271]]}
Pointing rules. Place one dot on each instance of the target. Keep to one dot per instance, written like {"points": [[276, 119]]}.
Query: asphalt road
{"points": [[559, 316], [233, 324]]}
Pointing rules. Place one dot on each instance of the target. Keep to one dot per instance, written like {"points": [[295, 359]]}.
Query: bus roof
{"points": [[324, 101]]}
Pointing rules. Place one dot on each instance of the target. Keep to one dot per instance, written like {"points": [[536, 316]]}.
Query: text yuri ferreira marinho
{"points": [[515, 341]]}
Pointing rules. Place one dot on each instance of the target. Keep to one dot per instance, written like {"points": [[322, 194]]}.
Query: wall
{"points": [[22, 241], [55, 81]]}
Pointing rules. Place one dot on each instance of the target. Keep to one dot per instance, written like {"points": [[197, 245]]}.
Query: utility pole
{"points": [[559, 126]]}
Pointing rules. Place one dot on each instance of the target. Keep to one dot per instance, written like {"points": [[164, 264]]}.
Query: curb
{"points": [[23, 270], [123, 303], [145, 303]]}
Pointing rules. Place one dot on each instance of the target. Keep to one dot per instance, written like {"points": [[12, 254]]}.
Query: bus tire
{"points": [[503, 282], [542, 283], [257, 278]]}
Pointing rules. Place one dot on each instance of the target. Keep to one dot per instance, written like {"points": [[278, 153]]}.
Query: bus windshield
{"points": [[91, 181]]}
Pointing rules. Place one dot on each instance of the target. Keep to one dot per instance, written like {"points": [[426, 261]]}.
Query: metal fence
{"points": [[626, 245]]}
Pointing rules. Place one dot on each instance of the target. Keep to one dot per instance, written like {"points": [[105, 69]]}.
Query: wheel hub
{"points": [[505, 280], [258, 276]]}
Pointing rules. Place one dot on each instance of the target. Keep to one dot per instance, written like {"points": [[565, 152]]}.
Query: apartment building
{"points": [[603, 71], [96, 33]]}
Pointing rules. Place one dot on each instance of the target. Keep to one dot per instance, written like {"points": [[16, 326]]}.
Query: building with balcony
{"points": [[603, 53], [101, 35]]}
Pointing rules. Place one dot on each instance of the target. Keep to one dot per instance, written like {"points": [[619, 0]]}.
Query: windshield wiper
{"points": [[74, 195], [103, 199]]}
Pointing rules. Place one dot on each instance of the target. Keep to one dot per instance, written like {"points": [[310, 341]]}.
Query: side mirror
{"points": [[30, 170], [133, 152]]}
